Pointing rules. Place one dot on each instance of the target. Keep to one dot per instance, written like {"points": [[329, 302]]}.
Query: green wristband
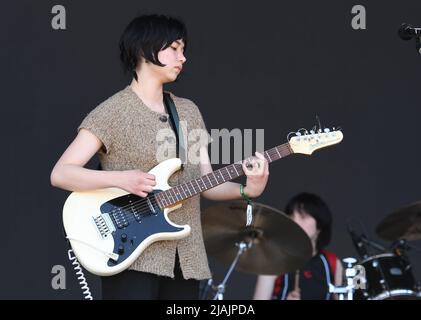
{"points": [[243, 194]]}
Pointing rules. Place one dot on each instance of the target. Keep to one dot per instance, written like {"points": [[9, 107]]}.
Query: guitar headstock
{"points": [[306, 142]]}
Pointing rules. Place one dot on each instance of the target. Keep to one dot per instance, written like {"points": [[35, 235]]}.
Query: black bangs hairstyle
{"points": [[318, 209], [145, 36]]}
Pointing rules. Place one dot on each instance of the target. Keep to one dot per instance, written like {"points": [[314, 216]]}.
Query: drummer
{"points": [[312, 214]]}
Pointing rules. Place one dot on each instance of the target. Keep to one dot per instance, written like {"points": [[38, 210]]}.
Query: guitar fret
{"points": [[173, 196], [163, 200], [203, 184], [181, 192], [212, 175], [234, 174], [289, 148], [214, 178], [226, 168], [174, 190], [198, 185], [268, 156], [167, 200], [286, 149], [278, 152], [170, 198], [191, 182], [160, 200], [210, 182], [157, 199], [185, 194], [236, 170], [177, 194], [217, 176], [223, 179], [186, 187]]}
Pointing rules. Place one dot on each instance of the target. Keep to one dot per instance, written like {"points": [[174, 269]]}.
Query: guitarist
{"points": [[123, 131]]}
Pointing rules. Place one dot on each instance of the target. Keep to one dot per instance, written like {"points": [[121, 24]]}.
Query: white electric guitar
{"points": [[108, 229]]}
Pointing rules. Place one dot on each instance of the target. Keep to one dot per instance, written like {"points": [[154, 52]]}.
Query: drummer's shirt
{"points": [[314, 279]]}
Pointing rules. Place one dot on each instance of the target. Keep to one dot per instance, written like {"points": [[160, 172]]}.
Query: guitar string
{"points": [[224, 175], [270, 152], [142, 204], [274, 152], [129, 217]]}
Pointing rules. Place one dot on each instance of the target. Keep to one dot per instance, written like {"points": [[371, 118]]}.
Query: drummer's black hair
{"points": [[313, 205]]}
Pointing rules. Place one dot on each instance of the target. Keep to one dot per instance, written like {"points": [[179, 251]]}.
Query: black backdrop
{"points": [[269, 64]]}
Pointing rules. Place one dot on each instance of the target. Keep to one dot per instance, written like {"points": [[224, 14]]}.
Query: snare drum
{"points": [[388, 276]]}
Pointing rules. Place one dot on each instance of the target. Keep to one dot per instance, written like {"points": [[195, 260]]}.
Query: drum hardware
{"points": [[389, 273], [362, 243], [350, 276], [272, 244], [220, 289], [388, 277]]}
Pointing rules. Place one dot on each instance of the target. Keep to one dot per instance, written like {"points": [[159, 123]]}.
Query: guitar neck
{"points": [[189, 189]]}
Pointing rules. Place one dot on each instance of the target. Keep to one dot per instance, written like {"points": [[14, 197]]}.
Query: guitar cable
{"points": [[78, 270], [80, 275]]}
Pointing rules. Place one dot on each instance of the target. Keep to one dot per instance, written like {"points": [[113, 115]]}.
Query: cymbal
{"points": [[278, 244], [404, 223]]}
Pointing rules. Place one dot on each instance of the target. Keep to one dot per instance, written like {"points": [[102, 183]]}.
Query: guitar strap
{"points": [[175, 124]]}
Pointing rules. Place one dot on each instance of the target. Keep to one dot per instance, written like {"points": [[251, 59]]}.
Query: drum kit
{"points": [[389, 274], [273, 244]]}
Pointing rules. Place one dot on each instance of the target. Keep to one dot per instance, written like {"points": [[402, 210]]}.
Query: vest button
{"points": [[163, 118]]}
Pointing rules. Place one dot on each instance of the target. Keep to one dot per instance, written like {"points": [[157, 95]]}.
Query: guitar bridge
{"points": [[104, 225]]}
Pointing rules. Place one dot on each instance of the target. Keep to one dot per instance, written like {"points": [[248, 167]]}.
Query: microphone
{"points": [[358, 243], [407, 32]]}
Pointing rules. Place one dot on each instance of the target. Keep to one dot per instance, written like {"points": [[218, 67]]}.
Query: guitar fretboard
{"points": [[189, 189]]}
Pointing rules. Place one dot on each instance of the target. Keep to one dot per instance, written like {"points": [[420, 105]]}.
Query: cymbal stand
{"points": [[400, 248], [242, 247], [350, 273]]}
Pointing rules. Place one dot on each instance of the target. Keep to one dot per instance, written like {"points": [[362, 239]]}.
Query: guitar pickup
{"points": [[150, 205]]}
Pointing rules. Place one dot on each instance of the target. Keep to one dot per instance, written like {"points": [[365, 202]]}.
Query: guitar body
{"points": [[108, 229]]}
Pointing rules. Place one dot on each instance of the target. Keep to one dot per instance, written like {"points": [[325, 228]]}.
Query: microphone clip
{"points": [[407, 32]]}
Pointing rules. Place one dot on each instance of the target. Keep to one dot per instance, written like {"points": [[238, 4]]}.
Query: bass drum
{"points": [[388, 277]]}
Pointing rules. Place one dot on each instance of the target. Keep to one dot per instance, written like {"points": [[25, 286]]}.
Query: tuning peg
{"points": [[312, 132], [298, 134], [327, 130]]}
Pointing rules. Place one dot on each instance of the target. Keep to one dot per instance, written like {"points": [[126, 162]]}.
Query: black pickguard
{"points": [[134, 223]]}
